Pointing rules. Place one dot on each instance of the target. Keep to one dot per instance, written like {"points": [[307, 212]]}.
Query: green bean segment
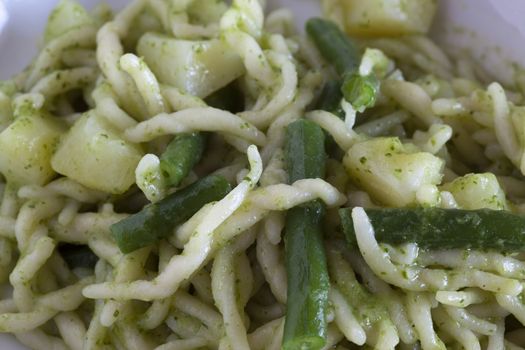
{"points": [[435, 228], [305, 154], [335, 46], [308, 282], [181, 155], [330, 98], [339, 50], [360, 91], [157, 221]]}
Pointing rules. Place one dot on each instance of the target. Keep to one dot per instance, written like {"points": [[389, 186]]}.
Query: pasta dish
{"points": [[200, 175]]}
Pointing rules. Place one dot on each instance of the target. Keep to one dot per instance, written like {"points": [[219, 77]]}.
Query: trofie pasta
{"points": [[197, 175]]}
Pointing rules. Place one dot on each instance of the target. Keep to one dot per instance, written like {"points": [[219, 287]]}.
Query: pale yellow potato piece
{"points": [[195, 67], [477, 191], [390, 171], [26, 149], [388, 17], [93, 154]]}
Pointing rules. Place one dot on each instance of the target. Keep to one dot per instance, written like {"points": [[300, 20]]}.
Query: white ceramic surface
{"points": [[492, 30]]}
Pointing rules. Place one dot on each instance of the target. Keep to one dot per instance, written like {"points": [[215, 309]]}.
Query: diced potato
{"points": [[477, 191], [93, 154], [388, 17], [68, 14], [196, 67], [206, 11], [27, 146], [390, 171]]}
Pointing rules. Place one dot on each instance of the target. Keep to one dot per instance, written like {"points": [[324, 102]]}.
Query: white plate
{"points": [[492, 30]]}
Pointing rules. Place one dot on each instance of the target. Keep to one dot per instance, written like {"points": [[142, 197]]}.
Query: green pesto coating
{"points": [[308, 282], [157, 221], [181, 155], [435, 228]]}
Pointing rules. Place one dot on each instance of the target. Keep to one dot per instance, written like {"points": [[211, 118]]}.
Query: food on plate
{"points": [[199, 175], [380, 17]]}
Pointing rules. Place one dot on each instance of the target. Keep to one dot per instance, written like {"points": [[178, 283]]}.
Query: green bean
{"points": [[305, 151], [435, 228], [157, 221], [308, 283], [181, 155], [185, 150], [337, 48], [330, 98], [360, 91]]}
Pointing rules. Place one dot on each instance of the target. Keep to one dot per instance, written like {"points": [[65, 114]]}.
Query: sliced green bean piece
{"points": [[305, 154], [339, 50], [435, 228], [308, 281], [334, 45], [157, 221], [330, 98], [181, 155], [360, 91]]}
